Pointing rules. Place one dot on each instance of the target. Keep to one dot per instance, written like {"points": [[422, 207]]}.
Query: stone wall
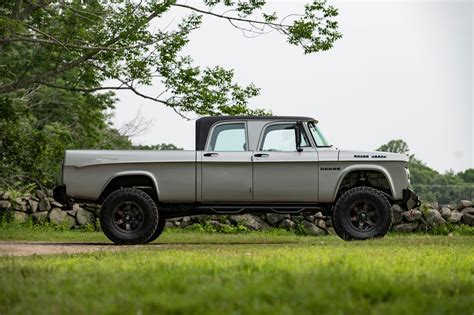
{"points": [[41, 207]]}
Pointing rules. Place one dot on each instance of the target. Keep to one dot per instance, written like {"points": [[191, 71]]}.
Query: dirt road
{"points": [[25, 248]]}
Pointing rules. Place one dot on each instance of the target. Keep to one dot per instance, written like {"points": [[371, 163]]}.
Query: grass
{"points": [[271, 272]]}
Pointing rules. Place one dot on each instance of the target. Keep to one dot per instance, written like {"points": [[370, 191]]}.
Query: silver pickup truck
{"points": [[240, 165]]}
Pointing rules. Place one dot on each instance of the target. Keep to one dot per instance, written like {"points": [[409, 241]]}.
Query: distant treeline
{"points": [[430, 184]]}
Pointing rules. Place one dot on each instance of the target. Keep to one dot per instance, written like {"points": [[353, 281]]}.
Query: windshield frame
{"points": [[321, 135]]}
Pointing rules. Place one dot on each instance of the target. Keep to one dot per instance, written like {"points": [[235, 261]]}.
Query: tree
{"points": [[395, 146], [76, 45], [429, 184]]}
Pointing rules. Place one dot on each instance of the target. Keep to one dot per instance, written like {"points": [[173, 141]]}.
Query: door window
{"points": [[282, 137], [228, 137]]}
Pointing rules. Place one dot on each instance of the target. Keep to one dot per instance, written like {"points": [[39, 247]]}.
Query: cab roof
{"points": [[204, 124]]}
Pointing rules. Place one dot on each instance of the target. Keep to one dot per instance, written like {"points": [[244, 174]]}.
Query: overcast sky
{"points": [[403, 70]]}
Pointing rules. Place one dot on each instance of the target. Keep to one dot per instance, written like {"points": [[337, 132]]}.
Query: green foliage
{"points": [[223, 228], [430, 184], [395, 146], [56, 55]]}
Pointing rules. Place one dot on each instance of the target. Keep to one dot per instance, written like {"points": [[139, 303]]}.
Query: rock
{"points": [[44, 205], [312, 229], [249, 221], [40, 217], [20, 217], [423, 228], [169, 224], [33, 205], [309, 218], [59, 217], [287, 224], [396, 214], [468, 219], [54, 203], [39, 194], [455, 217], [20, 205], [319, 215], [434, 205], [6, 195], [445, 212], [462, 204], [329, 222], [405, 227], [320, 223], [72, 212], [185, 221], [468, 210], [412, 215], [275, 218], [331, 231], [176, 223], [84, 217], [434, 218], [216, 224], [4, 204]]}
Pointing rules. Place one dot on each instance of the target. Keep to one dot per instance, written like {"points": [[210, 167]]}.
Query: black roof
{"points": [[204, 124]]}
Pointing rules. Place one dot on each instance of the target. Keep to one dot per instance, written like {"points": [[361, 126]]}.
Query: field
{"points": [[266, 272]]}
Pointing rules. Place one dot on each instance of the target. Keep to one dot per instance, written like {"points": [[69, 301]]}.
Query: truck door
{"points": [[281, 173], [226, 164]]}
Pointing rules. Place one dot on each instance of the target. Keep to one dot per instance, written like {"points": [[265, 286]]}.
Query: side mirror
{"points": [[298, 136]]}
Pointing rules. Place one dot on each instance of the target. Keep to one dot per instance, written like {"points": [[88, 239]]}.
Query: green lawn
{"points": [[266, 272]]}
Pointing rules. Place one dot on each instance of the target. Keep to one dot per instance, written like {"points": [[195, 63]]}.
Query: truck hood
{"points": [[349, 155]]}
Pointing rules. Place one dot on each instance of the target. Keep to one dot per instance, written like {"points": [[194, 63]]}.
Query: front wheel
{"points": [[159, 229], [129, 216], [362, 213]]}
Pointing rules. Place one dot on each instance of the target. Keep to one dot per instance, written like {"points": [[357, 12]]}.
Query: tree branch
{"points": [[229, 18]]}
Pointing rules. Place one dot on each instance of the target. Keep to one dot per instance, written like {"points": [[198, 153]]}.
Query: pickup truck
{"points": [[242, 164]]}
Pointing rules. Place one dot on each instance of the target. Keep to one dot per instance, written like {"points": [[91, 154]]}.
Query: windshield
{"points": [[318, 135]]}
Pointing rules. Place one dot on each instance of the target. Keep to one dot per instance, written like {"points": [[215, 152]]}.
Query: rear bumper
{"points": [[59, 194], [410, 199]]}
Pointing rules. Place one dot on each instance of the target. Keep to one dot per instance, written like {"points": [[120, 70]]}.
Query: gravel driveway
{"points": [[25, 248]]}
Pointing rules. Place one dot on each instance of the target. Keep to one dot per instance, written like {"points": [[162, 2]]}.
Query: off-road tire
{"points": [[342, 220], [148, 223], [159, 229]]}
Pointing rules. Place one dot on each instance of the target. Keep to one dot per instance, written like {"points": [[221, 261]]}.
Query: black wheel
{"points": [[129, 216], [159, 229], [362, 213]]}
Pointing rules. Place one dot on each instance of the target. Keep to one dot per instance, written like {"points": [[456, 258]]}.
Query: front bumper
{"points": [[59, 194], [410, 199]]}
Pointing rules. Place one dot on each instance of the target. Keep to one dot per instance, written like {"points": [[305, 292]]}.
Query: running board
{"points": [[219, 209]]}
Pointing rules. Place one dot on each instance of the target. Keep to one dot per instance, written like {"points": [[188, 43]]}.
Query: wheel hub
{"points": [[128, 216], [363, 216]]}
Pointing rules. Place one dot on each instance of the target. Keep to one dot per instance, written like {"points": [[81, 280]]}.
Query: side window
{"points": [[228, 137], [282, 137]]}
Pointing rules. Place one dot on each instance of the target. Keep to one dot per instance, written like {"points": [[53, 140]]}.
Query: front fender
{"points": [[364, 167]]}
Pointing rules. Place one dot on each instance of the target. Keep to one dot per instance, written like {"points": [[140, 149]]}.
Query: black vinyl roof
{"points": [[204, 124]]}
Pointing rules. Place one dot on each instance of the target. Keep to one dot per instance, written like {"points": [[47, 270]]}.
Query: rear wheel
{"points": [[362, 213], [159, 229], [129, 216]]}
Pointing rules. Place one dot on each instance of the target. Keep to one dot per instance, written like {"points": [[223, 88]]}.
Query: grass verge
{"points": [[266, 273]]}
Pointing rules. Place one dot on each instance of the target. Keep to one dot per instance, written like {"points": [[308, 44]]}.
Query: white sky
{"points": [[403, 70]]}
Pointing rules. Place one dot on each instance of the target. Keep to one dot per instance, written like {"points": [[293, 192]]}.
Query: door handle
{"points": [[261, 155], [211, 154]]}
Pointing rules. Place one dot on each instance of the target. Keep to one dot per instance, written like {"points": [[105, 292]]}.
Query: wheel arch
{"points": [[138, 179], [360, 169]]}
